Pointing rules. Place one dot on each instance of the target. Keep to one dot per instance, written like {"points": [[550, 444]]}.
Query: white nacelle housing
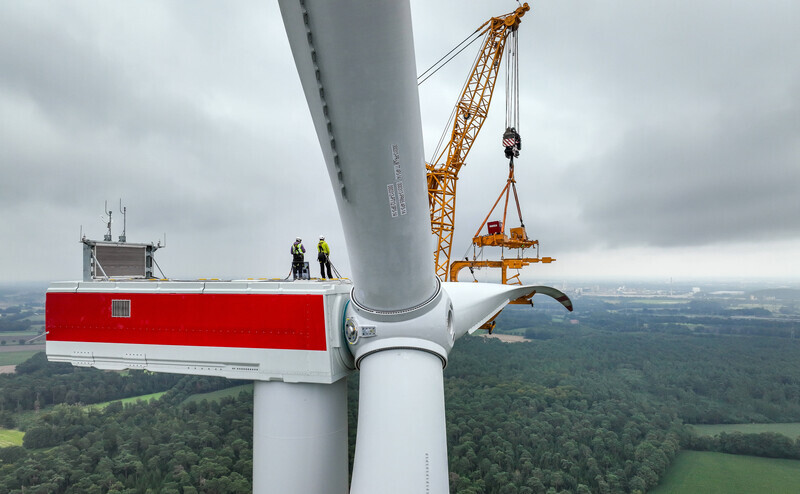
{"points": [[255, 330]]}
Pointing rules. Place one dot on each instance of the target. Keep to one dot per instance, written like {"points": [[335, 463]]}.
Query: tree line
{"points": [[766, 444], [39, 383]]}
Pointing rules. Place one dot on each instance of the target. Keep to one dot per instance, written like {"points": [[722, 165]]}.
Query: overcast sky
{"points": [[661, 139]]}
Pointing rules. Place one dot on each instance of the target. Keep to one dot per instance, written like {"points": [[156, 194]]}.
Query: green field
{"points": [[212, 396], [222, 393], [29, 417], [133, 399], [15, 358], [10, 437], [718, 473], [25, 418], [791, 430]]}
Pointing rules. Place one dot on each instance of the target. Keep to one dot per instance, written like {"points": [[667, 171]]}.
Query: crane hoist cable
{"points": [[512, 82], [512, 141]]}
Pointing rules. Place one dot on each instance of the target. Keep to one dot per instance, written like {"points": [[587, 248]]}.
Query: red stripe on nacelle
{"points": [[286, 322]]}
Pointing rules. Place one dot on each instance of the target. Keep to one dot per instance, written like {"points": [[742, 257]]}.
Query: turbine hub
{"points": [[427, 327]]}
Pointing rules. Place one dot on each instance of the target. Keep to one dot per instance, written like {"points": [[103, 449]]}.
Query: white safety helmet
{"points": [[299, 239], [322, 237]]}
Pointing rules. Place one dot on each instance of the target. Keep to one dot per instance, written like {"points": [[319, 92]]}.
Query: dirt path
{"points": [[506, 338], [8, 369]]}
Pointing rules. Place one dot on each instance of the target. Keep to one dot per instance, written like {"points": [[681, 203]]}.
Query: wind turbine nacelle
{"points": [[255, 330]]}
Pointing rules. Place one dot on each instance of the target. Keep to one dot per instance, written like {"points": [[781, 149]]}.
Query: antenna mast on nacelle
{"points": [[106, 212], [124, 211]]}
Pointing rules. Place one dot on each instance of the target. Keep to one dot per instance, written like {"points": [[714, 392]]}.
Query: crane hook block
{"points": [[512, 142]]}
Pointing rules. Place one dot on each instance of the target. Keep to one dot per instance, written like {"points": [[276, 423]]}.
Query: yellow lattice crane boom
{"points": [[470, 113]]}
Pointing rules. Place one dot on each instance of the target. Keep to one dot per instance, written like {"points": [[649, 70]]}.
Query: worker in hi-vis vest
{"points": [[324, 257], [298, 257]]}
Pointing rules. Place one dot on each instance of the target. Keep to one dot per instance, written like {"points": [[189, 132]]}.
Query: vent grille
{"points": [[120, 308]]}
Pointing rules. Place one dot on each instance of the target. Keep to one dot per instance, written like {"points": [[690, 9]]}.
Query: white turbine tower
{"points": [[356, 63]]}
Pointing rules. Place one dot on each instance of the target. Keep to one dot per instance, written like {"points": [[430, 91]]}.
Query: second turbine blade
{"points": [[401, 446]]}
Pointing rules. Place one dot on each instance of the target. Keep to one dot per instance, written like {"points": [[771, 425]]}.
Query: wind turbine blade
{"points": [[401, 445], [357, 66], [476, 303], [558, 295]]}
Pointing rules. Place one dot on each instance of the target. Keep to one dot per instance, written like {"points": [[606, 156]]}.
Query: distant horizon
{"points": [[787, 282]]}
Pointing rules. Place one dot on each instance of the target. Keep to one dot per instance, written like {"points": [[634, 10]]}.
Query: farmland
{"points": [[719, 473]]}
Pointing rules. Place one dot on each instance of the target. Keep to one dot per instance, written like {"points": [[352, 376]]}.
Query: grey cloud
{"points": [[644, 123], [735, 179]]}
